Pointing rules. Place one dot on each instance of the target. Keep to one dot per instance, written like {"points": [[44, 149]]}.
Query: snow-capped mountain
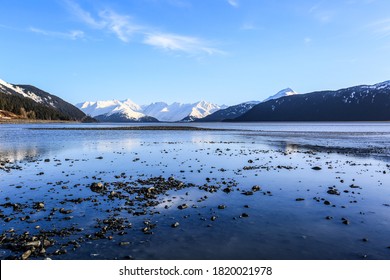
{"points": [[236, 111], [359, 103], [282, 93], [35, 103], [159, 111], [230, 112], [115, 111]]}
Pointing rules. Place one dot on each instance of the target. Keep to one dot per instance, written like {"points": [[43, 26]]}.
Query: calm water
{"points": [[286, 219]]}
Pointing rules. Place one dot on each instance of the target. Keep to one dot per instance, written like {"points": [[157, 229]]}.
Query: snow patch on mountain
{"points": [[282, 93], [6, 87], [382, 85]]}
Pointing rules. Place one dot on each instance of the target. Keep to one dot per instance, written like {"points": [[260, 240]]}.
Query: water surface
{"points": [[292, 216]]}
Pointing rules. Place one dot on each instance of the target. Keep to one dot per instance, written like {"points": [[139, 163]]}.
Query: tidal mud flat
{"points": [[193, 194]]}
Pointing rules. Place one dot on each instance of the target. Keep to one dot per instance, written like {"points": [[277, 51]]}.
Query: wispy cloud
{"points": [[121, 25], [322, 15], [233, 3], [124, 28], [381, 27], [173, 42], [83, 15], [72, 35]]}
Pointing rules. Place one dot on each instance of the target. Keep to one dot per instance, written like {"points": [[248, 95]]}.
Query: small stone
{"points": [[333, 192], [353, 186], [124, 243], [183, 206], [226, 190], [63, 211], [35, 244], [244, 215], [316, 168], [97, 187], [175, 225], [256, 188], [365, 239], [326, 202], [26, 255], [60, 252], [247, 193], [213, 218], [329, 217], [39, 205], [346, 222], [221, 206], [299, 199]]}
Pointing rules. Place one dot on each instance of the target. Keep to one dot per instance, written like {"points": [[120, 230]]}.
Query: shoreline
{"points": [[167, 128], [26, 121]]}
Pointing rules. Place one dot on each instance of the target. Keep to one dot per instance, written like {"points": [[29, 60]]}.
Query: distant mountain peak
{"points": [[282, 93], [158, 110]]}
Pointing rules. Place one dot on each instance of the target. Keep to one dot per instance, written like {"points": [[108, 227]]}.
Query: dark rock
{"points": [[175, 225], [39, 205], [97, 187], [183, 206], [299, 199], [63, 211], [247, 193], [333, 191], [227, 190], [353, 186], [316, 168]]}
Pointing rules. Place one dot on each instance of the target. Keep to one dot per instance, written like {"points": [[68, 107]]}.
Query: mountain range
{"points": [[128, 111], [29, 102], [236, 111], [359, 103]]}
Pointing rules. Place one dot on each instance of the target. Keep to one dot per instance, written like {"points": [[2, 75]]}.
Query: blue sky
{"points": [[222, 51]]}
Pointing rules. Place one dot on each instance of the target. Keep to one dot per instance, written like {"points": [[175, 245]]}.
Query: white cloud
{"points": [[124, 28], [307, 40], [120, 25], [83, 15], [73, 35], [381, 27], [173, 42], [233, 3]]}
